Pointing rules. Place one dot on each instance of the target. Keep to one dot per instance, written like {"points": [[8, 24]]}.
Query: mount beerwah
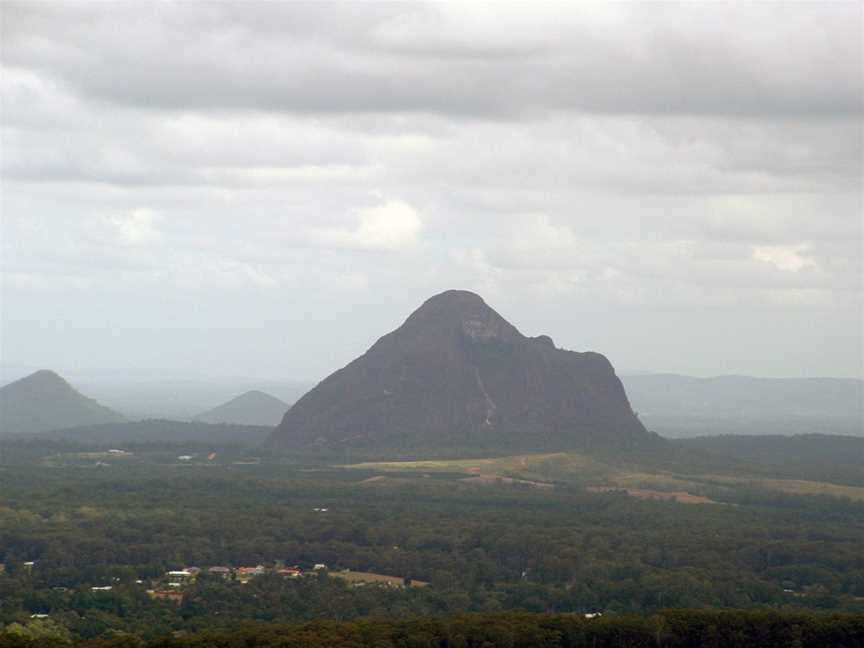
{"points": [[457, 375]]}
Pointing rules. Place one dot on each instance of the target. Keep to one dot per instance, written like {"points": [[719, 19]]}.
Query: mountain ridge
{"points": [[680, 405]]}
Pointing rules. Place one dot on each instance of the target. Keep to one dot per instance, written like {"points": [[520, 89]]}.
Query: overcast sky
{"points": [[265, 189]]}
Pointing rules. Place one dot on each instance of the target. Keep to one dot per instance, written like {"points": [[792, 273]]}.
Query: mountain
{"points": [[252, 408], [44, 401], [684, 406], [457, 375]]}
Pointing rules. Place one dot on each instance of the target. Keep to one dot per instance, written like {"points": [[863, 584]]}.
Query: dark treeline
{"points": [[817, 457], [667, 629], [151, 431]]}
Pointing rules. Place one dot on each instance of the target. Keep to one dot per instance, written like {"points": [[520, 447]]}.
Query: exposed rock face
{"points": [[457, 374], [44, 401]]}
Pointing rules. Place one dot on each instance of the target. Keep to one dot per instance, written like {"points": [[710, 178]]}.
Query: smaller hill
{"points": [[44, 401], [252, 408]]}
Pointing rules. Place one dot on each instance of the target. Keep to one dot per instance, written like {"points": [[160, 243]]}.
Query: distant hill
{"points": [[684, 406], [45, 401], [252, 408], [457, 375], [180, 399]]}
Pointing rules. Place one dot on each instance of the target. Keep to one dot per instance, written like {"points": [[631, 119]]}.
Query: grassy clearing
{"points": [[576, 468], [558, 467], [658, 480], [534, 466], [796, 487], [357, 578]]}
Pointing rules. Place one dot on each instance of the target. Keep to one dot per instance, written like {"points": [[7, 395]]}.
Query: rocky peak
{"points": [[458, 374], [462, 311]]}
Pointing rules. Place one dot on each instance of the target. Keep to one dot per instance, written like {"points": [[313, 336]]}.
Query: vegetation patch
{"points": [[796, 487], [361, 578], [674, 496]]}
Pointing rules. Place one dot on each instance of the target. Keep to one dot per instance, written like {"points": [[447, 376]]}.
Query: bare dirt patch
{"points": [[640, 493], [359, 578], [494, 480], [375, 479]]}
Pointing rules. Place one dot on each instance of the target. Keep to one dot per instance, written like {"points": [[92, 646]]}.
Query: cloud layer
{"points": [[264, 188]]}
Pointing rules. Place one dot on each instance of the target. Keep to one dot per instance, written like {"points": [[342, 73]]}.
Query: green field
{"points": [[572, 468]]}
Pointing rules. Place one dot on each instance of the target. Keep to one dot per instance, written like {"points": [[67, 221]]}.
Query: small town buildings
{"points": [[251, 571], [222, 572], [245, 573], [174, 597], [180, 574]]}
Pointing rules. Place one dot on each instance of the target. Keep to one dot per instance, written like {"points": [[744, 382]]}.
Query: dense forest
{"points": [[802, 449], [84, 546], [668, 629]]}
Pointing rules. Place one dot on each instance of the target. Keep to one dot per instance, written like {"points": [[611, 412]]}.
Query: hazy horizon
{"points": [[10, 373], [262, 190]]}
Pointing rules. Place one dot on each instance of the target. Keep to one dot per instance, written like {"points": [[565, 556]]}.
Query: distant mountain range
{"points": [[252, 408], [683, 406], [454, 365], [164, 394], [458, 375], [44, 401]]}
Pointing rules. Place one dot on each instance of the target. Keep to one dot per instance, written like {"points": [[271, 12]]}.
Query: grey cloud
{"points": [[693, 168], [340, 59]]}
